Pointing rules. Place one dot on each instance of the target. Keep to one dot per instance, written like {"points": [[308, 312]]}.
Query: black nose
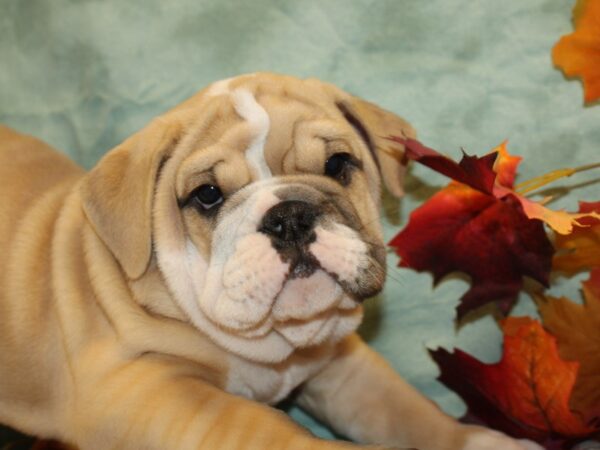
{"points": [[290, 223]]}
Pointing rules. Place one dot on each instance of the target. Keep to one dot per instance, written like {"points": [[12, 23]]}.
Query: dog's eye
{"points": [[337, 165], [207, 196]]}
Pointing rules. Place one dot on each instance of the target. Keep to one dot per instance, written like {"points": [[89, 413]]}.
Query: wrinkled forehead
{"points": [[275, 124]]}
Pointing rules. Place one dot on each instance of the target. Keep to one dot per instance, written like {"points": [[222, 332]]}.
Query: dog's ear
{"points": [[117, 194], [375, 125]]}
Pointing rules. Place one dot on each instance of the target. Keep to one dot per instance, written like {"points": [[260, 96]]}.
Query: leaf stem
{"points": [[535, 183]]}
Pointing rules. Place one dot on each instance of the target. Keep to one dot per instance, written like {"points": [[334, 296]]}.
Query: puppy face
{"points": [[264, 216]]}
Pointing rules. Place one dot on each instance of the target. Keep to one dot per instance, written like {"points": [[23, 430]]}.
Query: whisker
{"points": [[397, 278]]}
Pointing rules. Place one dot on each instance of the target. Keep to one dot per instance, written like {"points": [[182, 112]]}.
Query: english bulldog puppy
{"points": [[208, 266]]}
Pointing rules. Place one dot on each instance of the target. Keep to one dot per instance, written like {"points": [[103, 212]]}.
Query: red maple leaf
{"points": [[526, 394], [474, 171], [466, 227]]}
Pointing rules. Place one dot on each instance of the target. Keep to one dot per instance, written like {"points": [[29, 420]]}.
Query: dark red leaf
{"points": [[489, 239], [474, 171], [476, 225]]}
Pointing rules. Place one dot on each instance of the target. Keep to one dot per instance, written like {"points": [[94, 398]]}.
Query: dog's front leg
{"points": [[361, 396], [152, 404]]}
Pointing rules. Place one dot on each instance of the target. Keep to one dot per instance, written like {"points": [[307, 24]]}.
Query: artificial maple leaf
{"points": [[580, 249], [578, 54], [526, 394], [477, 172], [491, 240], [466, 228], [562, 222], [577, 330], [506, 166]]}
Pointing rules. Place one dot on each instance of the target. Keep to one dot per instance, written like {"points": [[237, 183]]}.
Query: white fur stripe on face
{"points": [[248, 108]]}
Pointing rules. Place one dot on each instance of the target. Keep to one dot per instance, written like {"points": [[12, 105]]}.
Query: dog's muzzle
{"points": [[284, 261]]}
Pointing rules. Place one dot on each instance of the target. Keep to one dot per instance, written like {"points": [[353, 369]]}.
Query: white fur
{"points": [[340, 250], [252, 278], [250, 110], [257, 118]]}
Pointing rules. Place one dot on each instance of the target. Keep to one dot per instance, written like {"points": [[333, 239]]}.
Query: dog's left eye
{"points": [[337, 165], [207, 196]]}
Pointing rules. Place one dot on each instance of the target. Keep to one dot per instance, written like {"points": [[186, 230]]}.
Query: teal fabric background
{"points": [[83, 75]]}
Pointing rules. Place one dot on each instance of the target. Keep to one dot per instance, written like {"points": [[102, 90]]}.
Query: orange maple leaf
{"points": [[577, 330], [533, 381], [527, 393], [578, 54], [580, 249], [506, 165]]}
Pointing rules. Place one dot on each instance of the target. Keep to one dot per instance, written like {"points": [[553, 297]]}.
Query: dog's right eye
{"points": [[339, 166], [207, 196]]}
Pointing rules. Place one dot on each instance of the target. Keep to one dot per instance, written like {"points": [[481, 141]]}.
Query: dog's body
{"points": [[213, 262]]}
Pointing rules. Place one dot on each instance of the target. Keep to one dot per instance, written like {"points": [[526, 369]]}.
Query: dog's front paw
{"points": [[484, 439]]}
